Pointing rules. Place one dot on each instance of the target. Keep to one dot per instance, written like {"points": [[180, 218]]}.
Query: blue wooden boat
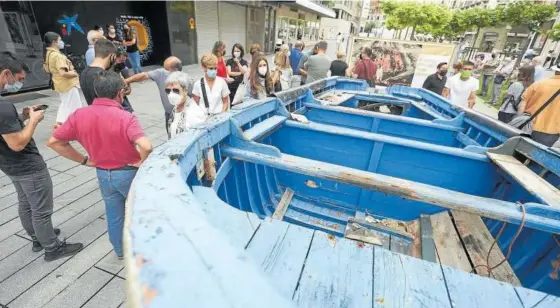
{"points": [[317, 215], [348, 103]]}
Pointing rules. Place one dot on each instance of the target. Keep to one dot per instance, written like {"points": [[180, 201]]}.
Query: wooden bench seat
{"points": [[531, 181]]}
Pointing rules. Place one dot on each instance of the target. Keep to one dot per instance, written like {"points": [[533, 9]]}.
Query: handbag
{"points": [[238, 98], [524, 122], [48, 71]]}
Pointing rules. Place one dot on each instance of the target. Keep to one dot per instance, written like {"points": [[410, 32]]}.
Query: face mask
{"points": [[443, 73], [12, 88], [360, 56], [111, 31], [101, 31], [289, 53], [237, 54], [174, 98], [60, 44], [466, 74], [263, 70], [211, 73]]}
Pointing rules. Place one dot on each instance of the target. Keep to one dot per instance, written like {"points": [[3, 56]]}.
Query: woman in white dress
{"points": [[63, 75], [186, 114]]}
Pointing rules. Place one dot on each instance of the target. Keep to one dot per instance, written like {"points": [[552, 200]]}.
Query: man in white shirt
{"points": [[461, 88]]}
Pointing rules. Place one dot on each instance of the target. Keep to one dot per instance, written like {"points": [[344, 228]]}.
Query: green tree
{"points": [[369, 26], [554, 33]]}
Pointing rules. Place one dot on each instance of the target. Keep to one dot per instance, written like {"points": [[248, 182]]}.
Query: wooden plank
{"points": [[535, 299], [403, 281], [261, 129], [477, 240], [339, 276], [467, 290], [400, 246], [111, 296], [449, 248], [59, 279], [532, 182], [282, 206], [280, 248], [487, 207], [81, 290], [22, 280], [428, 246]]}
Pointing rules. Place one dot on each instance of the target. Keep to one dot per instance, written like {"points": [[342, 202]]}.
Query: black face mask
{"points": [[118, 67], [360, 56], [443, 73]]}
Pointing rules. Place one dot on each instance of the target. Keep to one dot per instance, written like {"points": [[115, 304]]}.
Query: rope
{"points": [[521, 225]]}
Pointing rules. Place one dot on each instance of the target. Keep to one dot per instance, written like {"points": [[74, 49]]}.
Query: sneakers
{"points": [[37, 246], [64, 250]]}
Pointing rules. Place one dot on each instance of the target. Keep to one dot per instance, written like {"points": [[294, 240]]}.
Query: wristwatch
{"points": [[85, 160]]}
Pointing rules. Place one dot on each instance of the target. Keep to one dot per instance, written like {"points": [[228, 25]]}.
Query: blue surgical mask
{"points": [[60, 44], [12, 88], [211, 73]]}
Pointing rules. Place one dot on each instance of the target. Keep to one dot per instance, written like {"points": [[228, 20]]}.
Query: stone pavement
{"points": [[94, 277]]}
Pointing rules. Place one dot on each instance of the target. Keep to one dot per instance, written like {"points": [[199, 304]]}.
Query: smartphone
{"points": [[41, 107]]}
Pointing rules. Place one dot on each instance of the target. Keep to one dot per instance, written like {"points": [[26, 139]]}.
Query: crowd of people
{"points": [[102, 119], [530, 102], [105, 125]]}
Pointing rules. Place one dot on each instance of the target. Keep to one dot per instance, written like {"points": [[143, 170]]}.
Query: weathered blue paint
{"points": [[189, 248]]}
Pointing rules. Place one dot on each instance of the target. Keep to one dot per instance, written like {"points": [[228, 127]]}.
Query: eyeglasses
{"points": [[176, 91]]}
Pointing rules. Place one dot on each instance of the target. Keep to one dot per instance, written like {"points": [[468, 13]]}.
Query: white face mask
{"points": [[174, 98], [60, 44], [101, 31], [289, 53], [263, 70], [237, 54]]}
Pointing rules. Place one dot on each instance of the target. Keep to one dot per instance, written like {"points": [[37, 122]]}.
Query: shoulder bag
{"points": [[204, 96]]}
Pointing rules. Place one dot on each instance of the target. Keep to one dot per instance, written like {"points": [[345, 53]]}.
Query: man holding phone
{"points": [[21, 162]]}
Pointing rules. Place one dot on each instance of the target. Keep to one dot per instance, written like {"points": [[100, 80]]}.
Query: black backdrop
{"points": [[101, 13]]}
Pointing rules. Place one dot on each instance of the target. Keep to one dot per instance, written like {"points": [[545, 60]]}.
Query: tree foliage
{"points": [[554, 33], [442, 23], [369, 26]]}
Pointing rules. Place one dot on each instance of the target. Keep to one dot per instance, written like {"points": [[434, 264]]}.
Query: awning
{"points": [[311, 7]]}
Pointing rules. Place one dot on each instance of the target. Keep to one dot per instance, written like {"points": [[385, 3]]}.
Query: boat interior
{"points": [[440, 203], [349, 207]]}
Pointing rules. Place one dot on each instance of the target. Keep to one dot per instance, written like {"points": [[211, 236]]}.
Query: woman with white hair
{"points": [[186, 114]]}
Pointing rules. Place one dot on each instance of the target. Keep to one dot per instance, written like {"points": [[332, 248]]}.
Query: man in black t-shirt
{"points": [[21, 162], [106, 54], [436, 82]]}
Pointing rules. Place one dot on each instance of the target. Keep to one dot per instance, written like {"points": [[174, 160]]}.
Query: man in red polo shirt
{"points": [[115, 143]]}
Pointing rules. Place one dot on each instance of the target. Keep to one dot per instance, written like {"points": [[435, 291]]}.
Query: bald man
{"points": [[171, 64], [92, 37]]}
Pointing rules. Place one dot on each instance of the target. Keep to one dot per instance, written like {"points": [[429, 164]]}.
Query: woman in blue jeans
{"points": [[132, 48]]}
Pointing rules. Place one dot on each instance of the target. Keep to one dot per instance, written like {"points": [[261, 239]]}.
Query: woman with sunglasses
{"points": [[186, 114]]}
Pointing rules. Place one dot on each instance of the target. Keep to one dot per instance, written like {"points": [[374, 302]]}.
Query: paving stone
{"points": [[111, 296], [55, 282], [81, 290]]}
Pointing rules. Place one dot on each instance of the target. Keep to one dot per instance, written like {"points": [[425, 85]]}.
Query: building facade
{"points": [[186, 29]]}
